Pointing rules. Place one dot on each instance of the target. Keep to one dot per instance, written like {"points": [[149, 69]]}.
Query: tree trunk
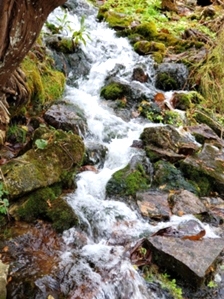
{"points": [[20, 24]]}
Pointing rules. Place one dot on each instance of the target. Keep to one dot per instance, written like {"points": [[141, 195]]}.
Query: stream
{"points": [[95, 259]]}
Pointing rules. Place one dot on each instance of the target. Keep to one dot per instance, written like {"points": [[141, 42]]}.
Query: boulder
{"points": [[66, 116], [171, 76], [54, 158], [209, 162], [192, 261]]}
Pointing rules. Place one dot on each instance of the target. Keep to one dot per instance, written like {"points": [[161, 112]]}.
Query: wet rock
{"points": [[185, 202], [203, 132], [167, 141], [167, 177], [139, 75], [95, 154], [206, 163], [73, 65], [215, 207], [192, 261], [66, 116], [171, 76], [3, 279], [136, 176], [154, 205], [202, 116], [54, 158]]}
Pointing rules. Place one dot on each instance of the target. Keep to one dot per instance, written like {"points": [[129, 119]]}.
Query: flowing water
{"points": [[95, 262]]}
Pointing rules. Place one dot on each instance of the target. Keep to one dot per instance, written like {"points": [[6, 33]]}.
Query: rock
{"points": [[203, 132], [136, 176], [171, 76], [66, 116], [168, 140], [215, 207], [167, 178], [95, 154], [3, 280], [185, 202], [192, 261], [206, 163], [139, 75], [54, 158], [154, 205]]}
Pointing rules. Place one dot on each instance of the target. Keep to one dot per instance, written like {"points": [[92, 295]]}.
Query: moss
{"points": [[64, 45], [44, 82], [148, 30], [46, 205], [117, 21], [145, 47], [16, 134], [36, 205], [127, 182], [113, 91], [168, 177], [166, 82], [172, 118], [204, 182], [61, 215]]}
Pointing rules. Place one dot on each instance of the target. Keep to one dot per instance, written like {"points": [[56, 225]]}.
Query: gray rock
{"points": [[66, 116], [192, 261]]}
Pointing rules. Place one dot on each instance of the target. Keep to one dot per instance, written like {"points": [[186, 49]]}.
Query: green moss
{"points": [[127, 182], [113, 91], [61, 215], [35, 205], [145, 47], [168, 177], [44, 82], [16, 134], [148, 30], [46, 204], [172, 118], [166, 82], [118, 21]]}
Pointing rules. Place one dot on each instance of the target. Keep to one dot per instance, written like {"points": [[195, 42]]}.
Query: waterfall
{"points": [[95, 262]]}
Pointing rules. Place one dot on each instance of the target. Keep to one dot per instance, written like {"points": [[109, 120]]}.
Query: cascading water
{"points": [[95, 262]]}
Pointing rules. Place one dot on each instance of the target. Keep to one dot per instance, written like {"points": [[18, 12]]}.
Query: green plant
{"points": [[64, 24], [41, 143], [171, 285], [81, 34], [4, 203], [212, 284]]}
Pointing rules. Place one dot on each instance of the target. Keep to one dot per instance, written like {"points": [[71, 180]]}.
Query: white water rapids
{"points": [[95, 259]]}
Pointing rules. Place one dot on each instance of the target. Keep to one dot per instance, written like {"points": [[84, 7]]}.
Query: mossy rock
{"points": [[204, 182], [43, 81], [148, 30], [151, 111], [145, 47], [166, 82], [205, 117], [62, 44], [128, 181], [54, 158], [167, 177], [115, 20], [187, 100], [46, 204], [114, 91]]}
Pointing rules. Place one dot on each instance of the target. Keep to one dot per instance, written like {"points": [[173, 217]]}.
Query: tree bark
{"points": [[20, 24]]}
